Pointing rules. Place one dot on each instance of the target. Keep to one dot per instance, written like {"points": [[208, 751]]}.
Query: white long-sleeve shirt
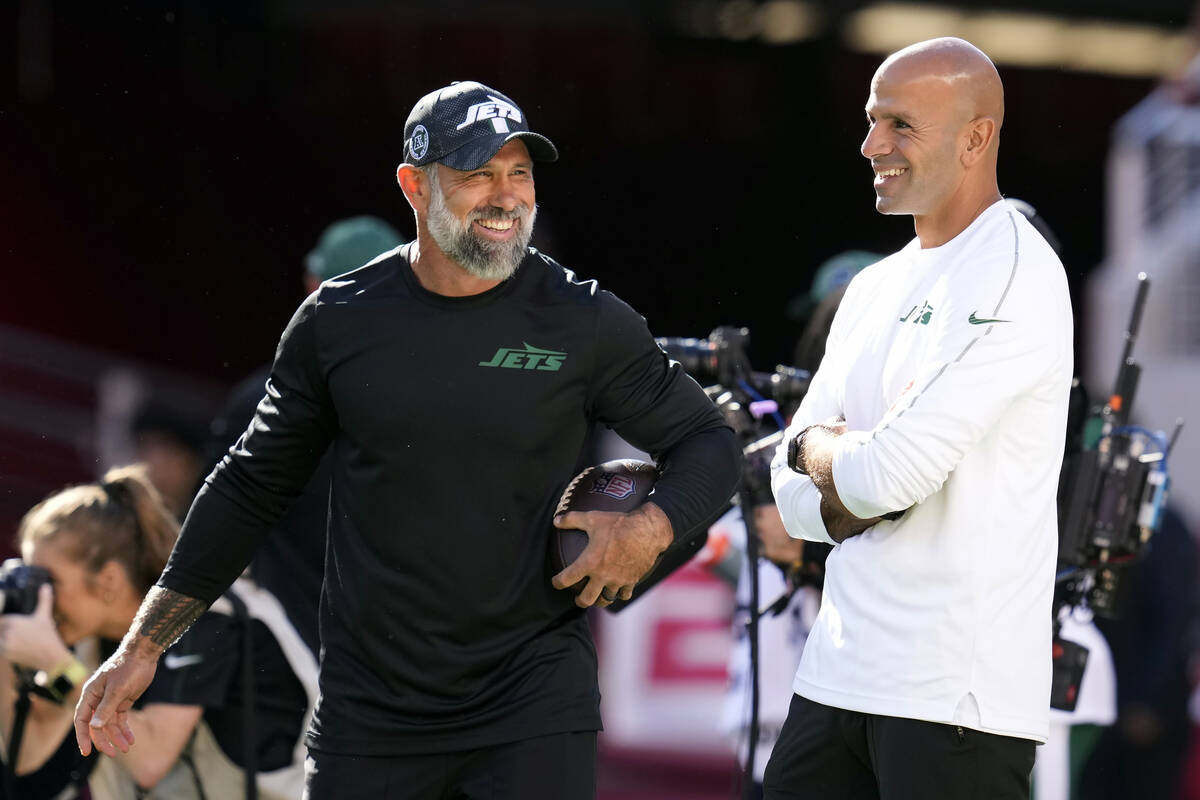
{"points": [[952, 367]]}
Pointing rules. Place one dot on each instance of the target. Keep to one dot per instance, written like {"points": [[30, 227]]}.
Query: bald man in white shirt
{"points": [[928, 450]]}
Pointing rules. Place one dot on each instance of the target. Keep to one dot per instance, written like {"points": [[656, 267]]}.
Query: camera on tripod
{"points": [[753, 403], [721, 360]]}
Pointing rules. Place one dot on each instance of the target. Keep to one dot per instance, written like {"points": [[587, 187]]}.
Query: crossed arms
{"points": [[819, 443]]}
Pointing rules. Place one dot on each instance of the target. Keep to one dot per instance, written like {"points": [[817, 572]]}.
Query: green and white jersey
{"points": [[952, 366]]}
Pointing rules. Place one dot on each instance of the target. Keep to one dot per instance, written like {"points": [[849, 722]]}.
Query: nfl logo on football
{"points": [[618, 486]]}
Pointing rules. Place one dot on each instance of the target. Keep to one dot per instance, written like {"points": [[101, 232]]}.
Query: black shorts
{"points": [[826, 753], [562, 765]]}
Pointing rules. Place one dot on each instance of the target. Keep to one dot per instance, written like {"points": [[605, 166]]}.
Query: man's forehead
{"points": [[939, 73], [513, 149], [916, 73], [912, 90]]}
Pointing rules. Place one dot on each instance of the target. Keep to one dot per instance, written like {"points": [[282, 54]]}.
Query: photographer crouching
{"points": [[219, 722]]}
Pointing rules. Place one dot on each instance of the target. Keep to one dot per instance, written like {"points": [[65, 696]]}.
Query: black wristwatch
{"points": [[795, 452], [59, 682]]}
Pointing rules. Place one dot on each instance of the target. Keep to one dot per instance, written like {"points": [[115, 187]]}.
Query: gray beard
{"points": [[491, 261]]}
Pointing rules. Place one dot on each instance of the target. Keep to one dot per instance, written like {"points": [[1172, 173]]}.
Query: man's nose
{"points": [[875, 143], [505, 194]]}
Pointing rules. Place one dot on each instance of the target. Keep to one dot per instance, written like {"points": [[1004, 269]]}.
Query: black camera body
{"points": [[755, 404], [721, 360], [1112, 488], [19, 584]]}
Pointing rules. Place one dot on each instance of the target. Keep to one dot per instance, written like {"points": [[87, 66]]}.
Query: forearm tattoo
{"points": [[165, 615]]}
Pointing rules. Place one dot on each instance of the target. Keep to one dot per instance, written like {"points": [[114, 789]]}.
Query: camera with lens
{"points": [[19, 584], [1112, 493], [720, 361], [1112, 489], [755, 404]]}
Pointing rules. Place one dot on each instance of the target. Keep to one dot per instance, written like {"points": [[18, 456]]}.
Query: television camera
{"points": [[1113, 486], [1111, 497], [755, 404]]}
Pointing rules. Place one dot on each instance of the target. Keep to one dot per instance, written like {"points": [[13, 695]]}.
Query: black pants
{"points": [[545, 768], [828, 753]]}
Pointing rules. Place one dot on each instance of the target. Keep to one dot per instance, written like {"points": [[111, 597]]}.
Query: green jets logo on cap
{"points": [[529, 357]]}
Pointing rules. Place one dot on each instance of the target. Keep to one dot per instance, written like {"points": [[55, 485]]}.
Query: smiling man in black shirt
{"points": [[456, 378]]}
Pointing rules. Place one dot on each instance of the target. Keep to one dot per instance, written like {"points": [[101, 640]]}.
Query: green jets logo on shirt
{"points": [[528, 358], [919, 315]]}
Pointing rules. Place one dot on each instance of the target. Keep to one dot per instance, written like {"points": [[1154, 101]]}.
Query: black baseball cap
{"points": [[463, 125]]}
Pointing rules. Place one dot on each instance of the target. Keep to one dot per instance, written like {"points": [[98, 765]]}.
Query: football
{"points": [[620, 485]]}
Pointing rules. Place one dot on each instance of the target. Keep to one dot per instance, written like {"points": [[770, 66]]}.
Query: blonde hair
{"points": [[122, 518]]}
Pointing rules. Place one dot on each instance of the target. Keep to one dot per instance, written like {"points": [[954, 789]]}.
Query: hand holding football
{"points": [[617, 486]]}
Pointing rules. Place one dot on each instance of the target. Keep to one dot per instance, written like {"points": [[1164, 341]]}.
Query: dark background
{"points": [[167, 165]]}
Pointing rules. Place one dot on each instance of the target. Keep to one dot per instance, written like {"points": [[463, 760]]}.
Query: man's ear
{"points": [[980, 134], [415, 186]]}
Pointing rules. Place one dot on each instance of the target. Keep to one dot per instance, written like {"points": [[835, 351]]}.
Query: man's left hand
{"points": [[621, 549]]}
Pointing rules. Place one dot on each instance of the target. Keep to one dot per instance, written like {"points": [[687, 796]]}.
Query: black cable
{"points": [[746, 498], [20, 714]]}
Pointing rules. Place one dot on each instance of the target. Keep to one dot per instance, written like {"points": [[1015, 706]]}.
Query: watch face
{"points": [[62, 686]]}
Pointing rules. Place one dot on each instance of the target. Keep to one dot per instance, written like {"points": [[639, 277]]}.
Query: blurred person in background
{"points": [[927, 450], [1073, 735], [291, 563], [789, 599], [815, 308], [457, 379], [789, 570], [170, 442], [103, 545], [1154, 649]]}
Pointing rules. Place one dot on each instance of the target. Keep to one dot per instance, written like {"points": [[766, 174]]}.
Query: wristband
{"points": [[62, 680], [795, 452]]}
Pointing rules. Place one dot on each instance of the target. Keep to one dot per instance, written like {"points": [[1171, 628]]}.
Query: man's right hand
{"points": [[102, 714], [842, 525]]}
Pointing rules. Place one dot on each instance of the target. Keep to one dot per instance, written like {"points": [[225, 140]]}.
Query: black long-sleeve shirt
{"points": [[456, 422]]}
